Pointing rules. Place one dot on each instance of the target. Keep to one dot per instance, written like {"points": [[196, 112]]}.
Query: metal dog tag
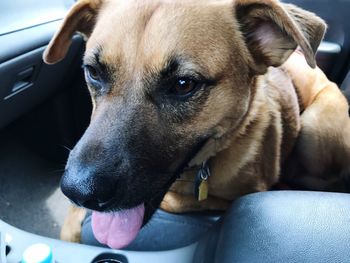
{"points": [[201, 184], [203, 191]]}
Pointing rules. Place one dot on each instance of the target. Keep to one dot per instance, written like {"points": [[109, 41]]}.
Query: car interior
{"points": [[44, 110]]}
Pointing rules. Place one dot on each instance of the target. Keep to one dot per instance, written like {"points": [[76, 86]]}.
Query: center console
{"points": [[275, 226], [15, 241]]}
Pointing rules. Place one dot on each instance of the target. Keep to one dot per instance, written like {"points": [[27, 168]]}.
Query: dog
{"points": [[196, 103]]}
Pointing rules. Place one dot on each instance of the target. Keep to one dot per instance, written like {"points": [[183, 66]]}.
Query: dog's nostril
{"points": [[95, 205]]}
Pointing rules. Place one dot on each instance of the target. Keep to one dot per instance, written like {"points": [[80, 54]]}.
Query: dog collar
{"points": [[201, 187]]}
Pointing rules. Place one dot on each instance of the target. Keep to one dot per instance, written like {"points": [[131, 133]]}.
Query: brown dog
{"points": [[184, 83]]}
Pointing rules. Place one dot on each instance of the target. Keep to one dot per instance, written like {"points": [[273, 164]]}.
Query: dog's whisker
{"points": [[66, 147]]}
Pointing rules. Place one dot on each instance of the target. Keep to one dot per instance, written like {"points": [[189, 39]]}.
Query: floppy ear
{"points": [[81, 18], [273, 31]]}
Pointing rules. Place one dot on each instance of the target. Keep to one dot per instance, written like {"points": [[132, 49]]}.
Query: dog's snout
{"points": [[88, 190]]}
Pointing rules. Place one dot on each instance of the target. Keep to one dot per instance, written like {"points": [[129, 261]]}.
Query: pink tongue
{"points": [[117, 229]]}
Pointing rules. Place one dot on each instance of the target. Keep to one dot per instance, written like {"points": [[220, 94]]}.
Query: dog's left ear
{"points": [[80, 18], [273, 31]]}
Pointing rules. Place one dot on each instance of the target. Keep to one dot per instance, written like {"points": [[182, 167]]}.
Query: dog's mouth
{"points": [[118, 229], [117, 222]]}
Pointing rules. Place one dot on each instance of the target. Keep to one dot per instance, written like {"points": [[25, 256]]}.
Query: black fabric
{"points": [[285, 226]]}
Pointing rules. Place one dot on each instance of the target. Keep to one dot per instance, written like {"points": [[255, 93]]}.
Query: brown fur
{"points": [[71, 229], [258, 116]]}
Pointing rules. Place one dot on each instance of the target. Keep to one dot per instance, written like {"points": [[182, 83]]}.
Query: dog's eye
{"points": [[184, 86], [92, 73]]}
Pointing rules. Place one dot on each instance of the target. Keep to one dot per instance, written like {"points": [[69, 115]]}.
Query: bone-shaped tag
{"points": [[203, 190]]}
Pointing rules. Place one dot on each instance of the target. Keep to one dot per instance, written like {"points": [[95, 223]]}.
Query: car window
{"points": [[19, 14]]}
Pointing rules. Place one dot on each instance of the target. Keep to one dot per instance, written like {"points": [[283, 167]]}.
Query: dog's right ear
{"points": [[272, 31], [81, 18]]}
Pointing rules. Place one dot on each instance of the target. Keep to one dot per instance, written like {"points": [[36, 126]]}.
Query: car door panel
{"points": [[25, 40], [26, 29], [27, 81]]}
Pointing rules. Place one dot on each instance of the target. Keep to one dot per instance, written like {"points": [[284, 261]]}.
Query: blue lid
{"points": [[37, 253]]}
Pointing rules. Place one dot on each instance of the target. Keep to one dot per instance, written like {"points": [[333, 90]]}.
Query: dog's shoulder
{"points": [[295, 77], [307, 81]]}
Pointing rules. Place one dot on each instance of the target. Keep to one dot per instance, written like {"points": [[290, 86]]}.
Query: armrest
{"points": [[285, 226]]}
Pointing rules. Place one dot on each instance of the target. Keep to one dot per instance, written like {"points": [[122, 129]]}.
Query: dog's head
{"points": [[163, 76]]}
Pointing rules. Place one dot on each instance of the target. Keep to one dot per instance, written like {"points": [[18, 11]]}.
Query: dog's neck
{"points": [[225, 135]]}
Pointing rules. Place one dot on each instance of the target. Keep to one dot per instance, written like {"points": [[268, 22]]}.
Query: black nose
{"points": [[89, 190]]}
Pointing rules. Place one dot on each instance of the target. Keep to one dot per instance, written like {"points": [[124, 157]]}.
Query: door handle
{"points": [[23, 79]]}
